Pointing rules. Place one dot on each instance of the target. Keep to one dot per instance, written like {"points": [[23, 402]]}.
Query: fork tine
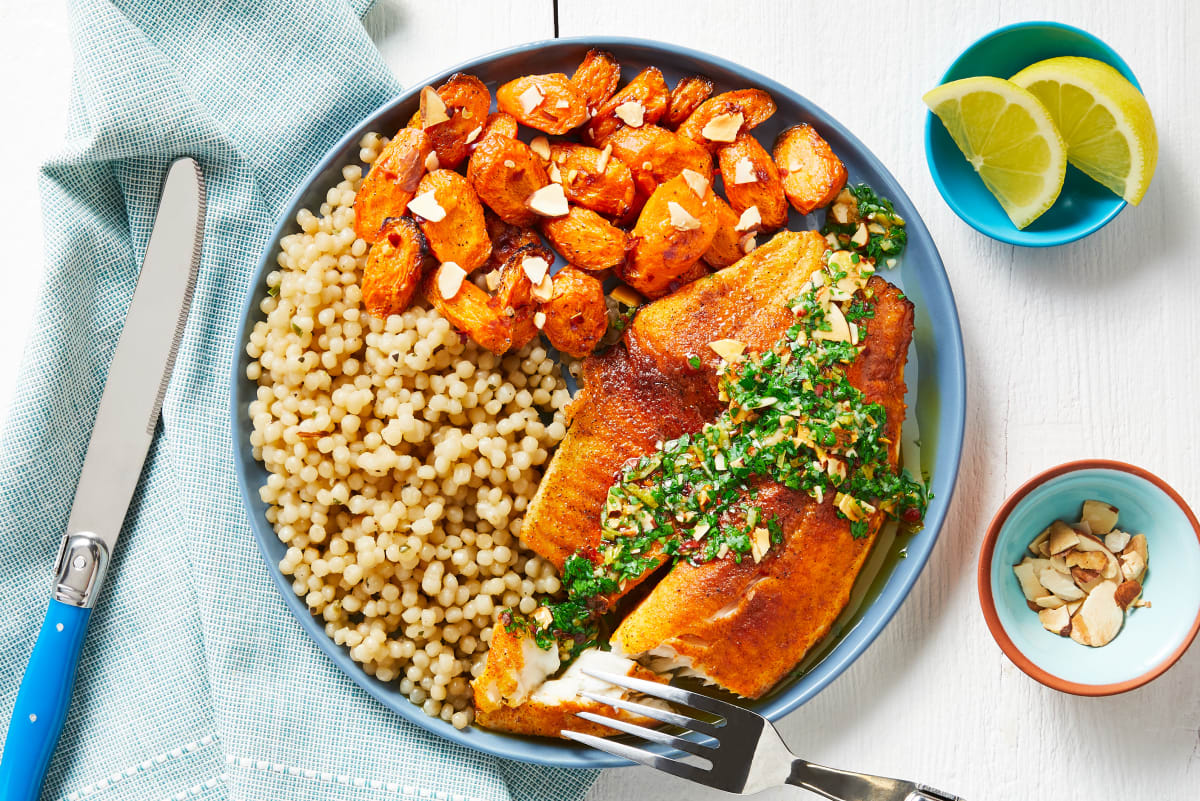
{"points": [[652, 735], [675, 694], [655, 713], [676, 768]]}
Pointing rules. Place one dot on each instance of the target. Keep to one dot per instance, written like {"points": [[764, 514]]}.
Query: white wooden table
{"points": [[1082, 350]]}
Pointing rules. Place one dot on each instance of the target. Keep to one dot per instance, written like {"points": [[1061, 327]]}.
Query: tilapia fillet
{"points": [[744, 625]]}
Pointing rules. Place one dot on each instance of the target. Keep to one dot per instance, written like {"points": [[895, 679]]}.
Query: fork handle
{"points": [[842, 785]]}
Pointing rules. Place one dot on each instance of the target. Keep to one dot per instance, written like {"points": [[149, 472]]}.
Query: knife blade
{"points": [[128, 414]]}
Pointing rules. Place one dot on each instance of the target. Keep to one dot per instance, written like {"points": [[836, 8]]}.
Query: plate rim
{"points": [[542, 751]]}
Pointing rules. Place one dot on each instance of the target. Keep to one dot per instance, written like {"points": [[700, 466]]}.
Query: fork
{"points": [[746, 753]]}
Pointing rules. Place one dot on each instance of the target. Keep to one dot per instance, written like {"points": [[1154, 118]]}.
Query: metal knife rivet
{"points": [[58, 626], [80, 562], [33, 718]]}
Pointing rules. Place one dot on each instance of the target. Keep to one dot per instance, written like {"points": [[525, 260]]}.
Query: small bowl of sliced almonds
{"points": [[1089, 577]]}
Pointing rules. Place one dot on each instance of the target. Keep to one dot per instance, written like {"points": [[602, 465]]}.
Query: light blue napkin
{"points": [[195, 682]]}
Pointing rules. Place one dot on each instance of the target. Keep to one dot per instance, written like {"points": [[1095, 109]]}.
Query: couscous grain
{"points": [[401, 457]]}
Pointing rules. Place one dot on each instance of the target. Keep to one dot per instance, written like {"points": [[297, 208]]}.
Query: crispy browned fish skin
{"points": [[636, 395], [747, 625]]}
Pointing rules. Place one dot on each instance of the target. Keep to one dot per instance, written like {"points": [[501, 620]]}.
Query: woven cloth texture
{"points": [[195, 682]]}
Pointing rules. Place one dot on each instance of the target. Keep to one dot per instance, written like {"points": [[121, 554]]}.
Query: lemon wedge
{"points": [[1103, 118], [1010, 139]]}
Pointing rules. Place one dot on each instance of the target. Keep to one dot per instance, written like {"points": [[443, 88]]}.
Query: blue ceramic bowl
{"points": [[1153, 638], [1083, 206], [937, 384]]}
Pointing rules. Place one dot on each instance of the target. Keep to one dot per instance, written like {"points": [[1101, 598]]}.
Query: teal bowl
{"points": [[1084, 206], [1153, 638]]}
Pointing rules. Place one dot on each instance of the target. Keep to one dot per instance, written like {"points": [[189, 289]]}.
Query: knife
{"points": [[125, 423]]}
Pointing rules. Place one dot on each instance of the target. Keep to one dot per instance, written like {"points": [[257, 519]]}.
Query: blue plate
{"points": [[938, 396], [1153, 638], [1083, 206]]}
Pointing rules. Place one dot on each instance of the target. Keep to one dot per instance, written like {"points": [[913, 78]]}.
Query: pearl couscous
{"points": [[401, 457]]}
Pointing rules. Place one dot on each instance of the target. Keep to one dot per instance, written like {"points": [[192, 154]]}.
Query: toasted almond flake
{"points": [[1055, 620], [840, 213], [530, 99], [743, 171], [1100, 516], [853, 334], [554, 173], [539, 320], [473, 135], [425, 205], [544, 290], [681, 218], [510, 163], [493, 280], [449, 279], [723, 127], [1100, 618], [1060, 585], [1127, 592], [540, 145], [1049, 602], [572, 174], [602, 161], [433, 108], [728, 349], [861, 237], [839, 326], [626, 295], [563, 104], [1062, 537], [632, 113], [549, 201], [431, 161], [749, 221], [697, 182], [747, 243], [1116, 541], [535, 268], [1026, 574]]}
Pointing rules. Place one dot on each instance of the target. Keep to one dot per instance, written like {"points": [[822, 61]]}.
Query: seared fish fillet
{"points": [[745, 626], [643, 391]]}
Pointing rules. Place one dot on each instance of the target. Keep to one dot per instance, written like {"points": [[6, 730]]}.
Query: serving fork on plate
{"points": [[745, 752]]}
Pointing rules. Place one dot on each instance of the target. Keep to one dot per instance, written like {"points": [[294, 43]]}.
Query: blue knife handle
{"points": [[42, 702]]}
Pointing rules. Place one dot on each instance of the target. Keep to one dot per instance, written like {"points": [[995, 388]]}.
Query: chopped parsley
{"points": [[792, 418]]}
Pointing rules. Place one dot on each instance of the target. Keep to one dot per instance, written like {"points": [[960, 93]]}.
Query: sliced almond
{"points": [[549, 201], [728, 349], [1059, 563], [1138, 544], [530, 99], [632, 113], [743, 172], [433, 108], [540, 145], [1089, 542], [539, 320], [474, 134], [1062, 586], [431, 161], [1116, 541], [723, 127], [1049, 602], [840, 213], [1073, 606], [1100, 618], [747, 243], [861, 236], [681, 218], [1062, 537], [492, 280], [697, 182], [1085, 579], [1055, 620], [427, 207], [449, 279], [543, 291], [535, 268], [1035, 546], [605, 155], [1132, 566], [839, 327], [1100, 516], [554, 173], [750, 220], [760, 543], [1127, 592], [1088, 560]]}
